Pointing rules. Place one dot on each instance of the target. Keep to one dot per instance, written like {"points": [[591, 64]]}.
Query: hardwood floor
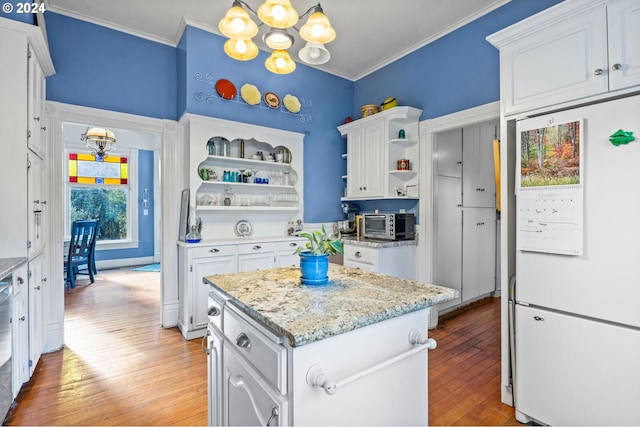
{"points": [[119, 367]]}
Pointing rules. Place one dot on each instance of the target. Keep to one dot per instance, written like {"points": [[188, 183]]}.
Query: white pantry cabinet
{"points": [[374, 146], [20, 355], [572, 51]]}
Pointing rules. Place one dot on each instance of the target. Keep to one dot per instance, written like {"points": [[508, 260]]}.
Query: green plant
{"points": [[321, 242]]}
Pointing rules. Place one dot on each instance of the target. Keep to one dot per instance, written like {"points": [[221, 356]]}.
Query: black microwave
{"points": [[389, 226]]}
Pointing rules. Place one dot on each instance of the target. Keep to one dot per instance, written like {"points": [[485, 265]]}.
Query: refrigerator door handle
{"points": [[538, 318]]}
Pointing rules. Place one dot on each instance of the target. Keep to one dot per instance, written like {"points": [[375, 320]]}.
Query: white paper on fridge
{"points": [[549, 186]]}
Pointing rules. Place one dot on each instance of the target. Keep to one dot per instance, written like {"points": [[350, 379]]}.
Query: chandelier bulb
{"points": [[278, 12], [241, 46], [280, 63], [317, 30], [238, 24]]}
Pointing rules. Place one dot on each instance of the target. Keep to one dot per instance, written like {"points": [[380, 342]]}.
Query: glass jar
{"points": [[211, 147], [224, 148], [228, 198]]}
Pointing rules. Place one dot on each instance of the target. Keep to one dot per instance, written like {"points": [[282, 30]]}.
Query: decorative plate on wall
{"points": [[272, 100], [226, 89]]}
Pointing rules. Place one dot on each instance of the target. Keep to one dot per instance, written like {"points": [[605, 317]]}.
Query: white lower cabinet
{"points": [[202, 260], [398, 261], [20, 357], [194, 264], [256, 256], [37, 281], [375, 375]]}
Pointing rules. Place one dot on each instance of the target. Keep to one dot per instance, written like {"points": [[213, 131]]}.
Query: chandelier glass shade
{"points": [[99, 140], [238, 26]]}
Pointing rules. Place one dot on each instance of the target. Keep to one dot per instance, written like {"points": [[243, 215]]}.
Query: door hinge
{"points": [[28, 52], [28, 133], [191, 268], [191, 320], [30, 363]]}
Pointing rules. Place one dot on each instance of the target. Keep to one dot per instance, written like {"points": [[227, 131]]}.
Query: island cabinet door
{"points": [[205, 267], [373, 375], [248, 398]]}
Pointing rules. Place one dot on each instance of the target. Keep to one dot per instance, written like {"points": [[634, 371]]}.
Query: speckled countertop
{"points": [[7, 265], [378, 243], [304, 314]]}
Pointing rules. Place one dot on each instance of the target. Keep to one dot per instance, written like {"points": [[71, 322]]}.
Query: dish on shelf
{"points": [[250, 94], [226, 89], [272, 100], [291, 103], [243, 228]]}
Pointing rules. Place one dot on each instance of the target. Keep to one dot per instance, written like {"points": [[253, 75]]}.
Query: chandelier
{"points": [[99, 140], [238, 26]]}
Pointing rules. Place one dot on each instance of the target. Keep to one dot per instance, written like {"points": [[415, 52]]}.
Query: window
{"points": [[100, 188]]}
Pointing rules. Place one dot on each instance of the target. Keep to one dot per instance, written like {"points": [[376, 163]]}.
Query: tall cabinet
{"points": [[465, 223], [23, 168]]}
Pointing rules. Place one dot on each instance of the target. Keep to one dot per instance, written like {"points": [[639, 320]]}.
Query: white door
{"points": [[478, 252], [448, 239]]}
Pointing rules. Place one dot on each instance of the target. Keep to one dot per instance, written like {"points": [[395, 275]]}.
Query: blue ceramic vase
{"points": [[314, 269]]}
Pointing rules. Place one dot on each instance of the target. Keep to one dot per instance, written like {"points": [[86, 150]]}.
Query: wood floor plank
{"points": [[119, 367]]}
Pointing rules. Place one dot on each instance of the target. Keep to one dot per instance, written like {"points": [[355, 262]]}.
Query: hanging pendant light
{"points": [[241, 49], [278, 13], [99, 140], [280, 62], [237, 24], [318, 29], [314, 54]]}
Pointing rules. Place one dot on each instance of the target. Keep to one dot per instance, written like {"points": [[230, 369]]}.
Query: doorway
{"points": [[155, 136]]}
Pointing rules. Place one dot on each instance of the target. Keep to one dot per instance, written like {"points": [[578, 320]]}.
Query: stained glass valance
{"points": [[90, 169]]}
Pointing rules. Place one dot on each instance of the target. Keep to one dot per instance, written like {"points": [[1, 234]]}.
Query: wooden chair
{"points": [[80, 259]]}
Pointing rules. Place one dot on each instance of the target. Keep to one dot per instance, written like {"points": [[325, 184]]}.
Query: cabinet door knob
{"points": [[22, 318], [616, 67], [598, 71], [358, 254], [37, 288], [20, 280], [257, 247], [214, 250], [243, 341], [459, 162], [213, 311], [293, 244]]}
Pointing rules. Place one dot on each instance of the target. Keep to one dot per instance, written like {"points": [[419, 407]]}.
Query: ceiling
{"points": [[370, 33]]}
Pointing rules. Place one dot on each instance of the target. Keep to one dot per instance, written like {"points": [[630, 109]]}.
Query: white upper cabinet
{"points": [[376, 145], [572, 51]]}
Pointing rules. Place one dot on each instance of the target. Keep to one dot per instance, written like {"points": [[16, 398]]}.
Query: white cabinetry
{"points": [[381, 375], [196, 261], [374, 147], [20, 356], [256, 256], [37, 203], [194, 264], [365, 164], [37, 284], [221, 202], [465, 215], [398, 261], [575, 50]]}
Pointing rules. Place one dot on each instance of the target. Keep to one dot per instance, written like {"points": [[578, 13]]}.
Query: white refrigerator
{"points": [[576, 326]]}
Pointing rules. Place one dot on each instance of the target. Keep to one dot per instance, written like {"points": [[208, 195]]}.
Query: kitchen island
{"points": [[353, 352]]}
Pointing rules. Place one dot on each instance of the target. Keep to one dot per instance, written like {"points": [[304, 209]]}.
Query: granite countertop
{"points": [[7, 265], [378, 243], [303, 314]]}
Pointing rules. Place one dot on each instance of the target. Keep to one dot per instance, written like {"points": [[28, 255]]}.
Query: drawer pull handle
{"points": [[358, 254], [213, 311], [616, 67], [274, 415], [316, 378], [204, 346], [598, 71], [214, 250], [257, 247], [243, 341], [293, 244]]}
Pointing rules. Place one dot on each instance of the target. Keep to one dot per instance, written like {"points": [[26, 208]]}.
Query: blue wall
{"points": [[107, 69], [456, 72], [145, 222], [453, 73], [326, 100]]}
